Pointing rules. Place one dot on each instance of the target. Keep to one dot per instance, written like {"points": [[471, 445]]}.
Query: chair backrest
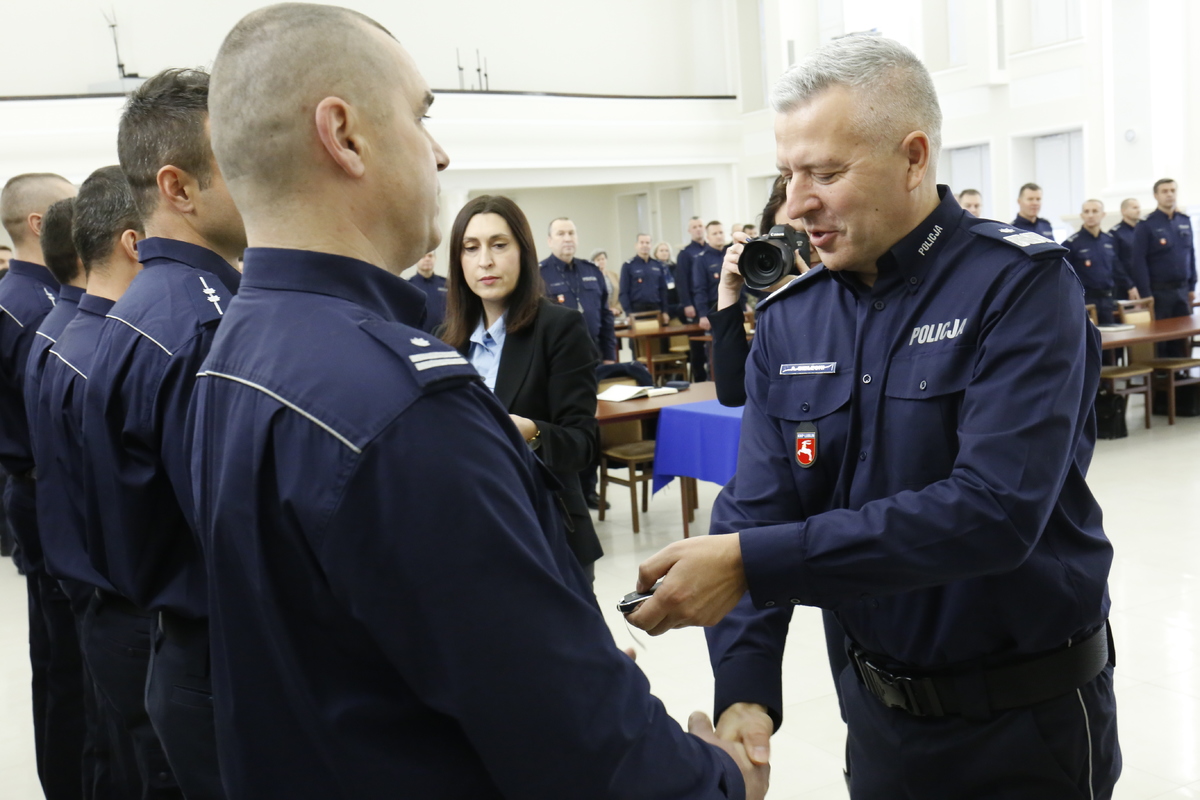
{"points": [[1092, 315], [1137, 312], [616, 433], [646, 324]]}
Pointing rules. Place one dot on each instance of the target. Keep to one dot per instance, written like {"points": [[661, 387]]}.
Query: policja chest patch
{"points": [[806, 444]]}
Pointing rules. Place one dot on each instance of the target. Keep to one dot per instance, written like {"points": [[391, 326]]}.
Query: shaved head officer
{"points": [[373, 636]]}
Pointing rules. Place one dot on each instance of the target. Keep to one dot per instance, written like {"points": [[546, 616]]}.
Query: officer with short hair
{"points": [[136, 464], [913, 457], [1093, 253], [1163, 250], [434, 287], [971, 201], [376, 635], [1131, 215], [644, 282], [579, 284], [706, 271], [1029, 203]]}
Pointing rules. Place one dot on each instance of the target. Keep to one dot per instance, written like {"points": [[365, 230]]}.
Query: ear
{"points": [[915, 148], [128, 244], [339, 131], [34, 221], [177, 188]]}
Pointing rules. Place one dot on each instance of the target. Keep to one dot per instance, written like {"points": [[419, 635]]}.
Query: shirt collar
{"points": [[69, 294], [94, 304], [193, 255], [358, 282], [919, 248], [31, 270], [558, 262], [497, 332], [1084, 232]]}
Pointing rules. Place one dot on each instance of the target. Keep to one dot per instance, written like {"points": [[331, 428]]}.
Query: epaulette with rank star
{"points": [[208, 295], [1034, 245], [429, 359]]}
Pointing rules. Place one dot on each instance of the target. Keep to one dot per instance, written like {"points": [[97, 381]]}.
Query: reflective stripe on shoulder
{"points": [[68, 363], [14, 319], [142, 332], [284, 401]]}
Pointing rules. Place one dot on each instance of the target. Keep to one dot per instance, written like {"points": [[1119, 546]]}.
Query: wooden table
{"points": [[1160, 330], [641, 338], [648, 407]]}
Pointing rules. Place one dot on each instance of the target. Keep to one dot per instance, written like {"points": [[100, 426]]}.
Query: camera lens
{"points": [[764, 262]]}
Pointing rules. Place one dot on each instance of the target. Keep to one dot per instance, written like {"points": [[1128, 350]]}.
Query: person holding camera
{"points": [[913, 457]]}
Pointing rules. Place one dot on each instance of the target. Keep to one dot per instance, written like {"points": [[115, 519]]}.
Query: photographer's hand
{"points": [[729, 291]]}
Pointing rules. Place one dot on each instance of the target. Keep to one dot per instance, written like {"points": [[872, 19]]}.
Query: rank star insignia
{"points": [[419, 342], [211, 294]]}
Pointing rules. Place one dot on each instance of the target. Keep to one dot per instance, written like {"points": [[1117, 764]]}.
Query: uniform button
{"points": [[862, 456], [923, 385], [879, 305], [866, 378], [795, 601], [912, 281], [804, 407], [769, 604]]}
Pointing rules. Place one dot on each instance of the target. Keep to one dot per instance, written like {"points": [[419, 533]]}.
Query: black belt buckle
{"points": [[913, 695]]}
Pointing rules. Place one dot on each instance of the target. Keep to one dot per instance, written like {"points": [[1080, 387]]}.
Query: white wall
{"points": [[664, 47]]}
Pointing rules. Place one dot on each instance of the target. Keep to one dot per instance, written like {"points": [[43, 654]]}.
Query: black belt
{"points": [[979, 692], [1168, 287], [1099, 294], [638, 307]]}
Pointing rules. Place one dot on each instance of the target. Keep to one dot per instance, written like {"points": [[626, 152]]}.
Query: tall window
{"points": [[1054, 21], [1058, 168]]}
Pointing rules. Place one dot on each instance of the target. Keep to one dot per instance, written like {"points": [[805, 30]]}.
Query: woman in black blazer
{"points": [[536, 356]]}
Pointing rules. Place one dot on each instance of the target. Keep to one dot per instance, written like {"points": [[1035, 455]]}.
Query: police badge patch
{"points": [[806, 444]]}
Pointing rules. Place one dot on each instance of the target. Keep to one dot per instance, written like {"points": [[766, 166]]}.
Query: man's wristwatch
{"points": [[536, 441]]}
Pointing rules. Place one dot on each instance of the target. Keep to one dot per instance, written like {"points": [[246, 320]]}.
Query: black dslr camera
{"points": [[766, 259]]}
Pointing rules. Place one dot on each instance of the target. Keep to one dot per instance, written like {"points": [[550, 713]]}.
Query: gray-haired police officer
{"points": [[913, 452]]}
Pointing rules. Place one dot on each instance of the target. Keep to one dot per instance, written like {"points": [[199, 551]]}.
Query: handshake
{"points": [[697, 582]]}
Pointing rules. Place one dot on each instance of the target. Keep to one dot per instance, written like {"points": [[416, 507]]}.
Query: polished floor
{"points": [[1148, 485]]}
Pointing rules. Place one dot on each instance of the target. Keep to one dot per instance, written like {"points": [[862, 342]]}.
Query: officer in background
{"points": [[363, 621], [971, 201], [136, 463], [114, 634], [27, 294], [1029, 204], [1131, 215], [644, 282], [683, 284], [1163, 251], [706, 276], [913, 455], [579, 284], [1093, 253], [434, 287]]}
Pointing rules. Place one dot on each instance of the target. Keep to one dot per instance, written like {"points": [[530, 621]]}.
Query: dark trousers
{"points": [[1060, 749], [117, 648], [1171, 302], [59, 726], [7, 542], [180, 703], [100, 782]]}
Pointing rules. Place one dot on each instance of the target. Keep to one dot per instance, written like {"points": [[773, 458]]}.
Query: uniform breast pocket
{"points": [[924, 397], [1160, 240], [812, 412]]}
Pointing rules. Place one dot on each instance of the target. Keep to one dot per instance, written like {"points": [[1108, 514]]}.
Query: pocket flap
{"points": [[931, 375], [802, 397]]}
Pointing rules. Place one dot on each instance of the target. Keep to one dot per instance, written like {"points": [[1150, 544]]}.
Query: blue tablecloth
{"points": [[697, 440]]}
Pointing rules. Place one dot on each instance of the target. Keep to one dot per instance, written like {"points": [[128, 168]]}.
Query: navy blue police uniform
{"points": [[913, 457], [1103, 274], [1041, 227], [434, 288], [644, 286], [581, 285], [138, 482], [1122, 233], [706, 278], [68, 740], [113, 633], [373, 634], [683, 284], [27, 295], [1163, 249]]}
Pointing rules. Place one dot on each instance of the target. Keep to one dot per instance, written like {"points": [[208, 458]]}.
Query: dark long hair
{"points": [[463, 307]]}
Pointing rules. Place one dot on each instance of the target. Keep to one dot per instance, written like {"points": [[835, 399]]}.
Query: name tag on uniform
{"points": [[589, 277], [827, 368]]}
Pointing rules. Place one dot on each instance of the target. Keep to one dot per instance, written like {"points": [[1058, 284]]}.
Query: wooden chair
{"points": [[1092, 313], [1165, 376], [621, 444], [657, 363]]}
